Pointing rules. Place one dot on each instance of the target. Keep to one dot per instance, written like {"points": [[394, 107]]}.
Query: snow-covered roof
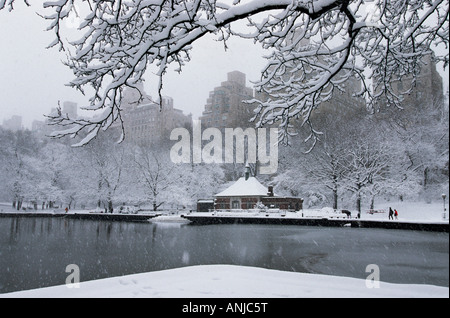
{"points": [[205, 201], [242, 187]]}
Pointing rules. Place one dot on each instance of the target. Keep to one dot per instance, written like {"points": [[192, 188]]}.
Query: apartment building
{"points": [[147, 122], [226, 106]]}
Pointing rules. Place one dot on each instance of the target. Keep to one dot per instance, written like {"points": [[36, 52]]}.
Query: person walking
{"points": [[396, 214], [391, 214]]}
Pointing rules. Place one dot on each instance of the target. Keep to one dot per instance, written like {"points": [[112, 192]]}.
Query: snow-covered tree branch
{"points": [[315, 46]]}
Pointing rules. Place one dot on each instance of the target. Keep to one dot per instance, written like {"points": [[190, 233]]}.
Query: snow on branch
{"points": [[315, 46], [10, 3], [378, 42]]}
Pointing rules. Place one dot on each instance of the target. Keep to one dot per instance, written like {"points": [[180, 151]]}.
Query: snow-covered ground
{"points": [[407, 212], [224, 281], [411, 211]]}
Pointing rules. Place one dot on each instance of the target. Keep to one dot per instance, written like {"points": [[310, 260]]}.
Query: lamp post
{"points": [[443, 198]]}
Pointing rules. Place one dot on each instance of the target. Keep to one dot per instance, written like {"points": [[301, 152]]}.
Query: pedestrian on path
{"points": [[391, 214]]}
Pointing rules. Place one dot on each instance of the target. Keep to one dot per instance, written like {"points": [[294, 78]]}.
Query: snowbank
{"points": [[169, 219], [223, 281], [411, 211]]}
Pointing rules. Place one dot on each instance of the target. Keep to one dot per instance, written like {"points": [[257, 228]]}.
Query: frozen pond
{"points": [[34, 252]]}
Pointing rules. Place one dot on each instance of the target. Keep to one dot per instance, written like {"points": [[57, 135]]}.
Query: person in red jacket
{"points": [[396, 214]]}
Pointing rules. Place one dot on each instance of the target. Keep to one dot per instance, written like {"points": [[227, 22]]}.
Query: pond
{"points": [[34, 252]]}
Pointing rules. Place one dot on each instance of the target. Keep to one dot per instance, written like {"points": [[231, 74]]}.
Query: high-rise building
{"points": [[43, 128], [39, 127], [14, 123], [345, 103], [226, 106], [427, 91], [147, 122]]}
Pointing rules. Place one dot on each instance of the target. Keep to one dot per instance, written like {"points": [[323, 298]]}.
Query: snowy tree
{"points": [[324, 168], [315, 46], [155, 173], [18, 169], [100, 167], [201, 181], [423, 134], [374, 163], [151, 177], [368, 169], [19, 177], [290, 176], [55, 175], [360, 155], [329, 169]]}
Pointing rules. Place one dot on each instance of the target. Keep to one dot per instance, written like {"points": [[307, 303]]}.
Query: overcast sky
{"points": [[32, 78]]}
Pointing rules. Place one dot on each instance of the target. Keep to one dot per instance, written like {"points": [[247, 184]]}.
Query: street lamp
{"points": [[443, 198]]}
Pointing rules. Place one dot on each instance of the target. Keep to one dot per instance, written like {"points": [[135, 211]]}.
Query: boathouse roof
{"points": [[244, 187]]}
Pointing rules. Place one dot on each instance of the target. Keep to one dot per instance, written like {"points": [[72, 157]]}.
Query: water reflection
{"points": [[34, 252]]}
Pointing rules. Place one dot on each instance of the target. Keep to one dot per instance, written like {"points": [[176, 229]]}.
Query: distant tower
{"points": [[225, 106], [247, 171]]}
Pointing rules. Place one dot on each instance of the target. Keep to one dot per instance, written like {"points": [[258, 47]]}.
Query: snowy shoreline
{"points": [[230, 281], [409, 212], [317, 221]]}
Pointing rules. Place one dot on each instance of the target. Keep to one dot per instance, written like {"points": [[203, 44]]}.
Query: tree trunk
{"points": [[425, 185], [358, 203], [156, 206], [335, 199], [425, 177], [358, 197], [110, 206]]}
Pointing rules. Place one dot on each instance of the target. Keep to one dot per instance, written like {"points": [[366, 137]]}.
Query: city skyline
{"points": [[26, 65]]}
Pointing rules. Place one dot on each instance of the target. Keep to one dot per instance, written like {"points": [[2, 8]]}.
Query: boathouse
{"points": [[247, 193]]}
